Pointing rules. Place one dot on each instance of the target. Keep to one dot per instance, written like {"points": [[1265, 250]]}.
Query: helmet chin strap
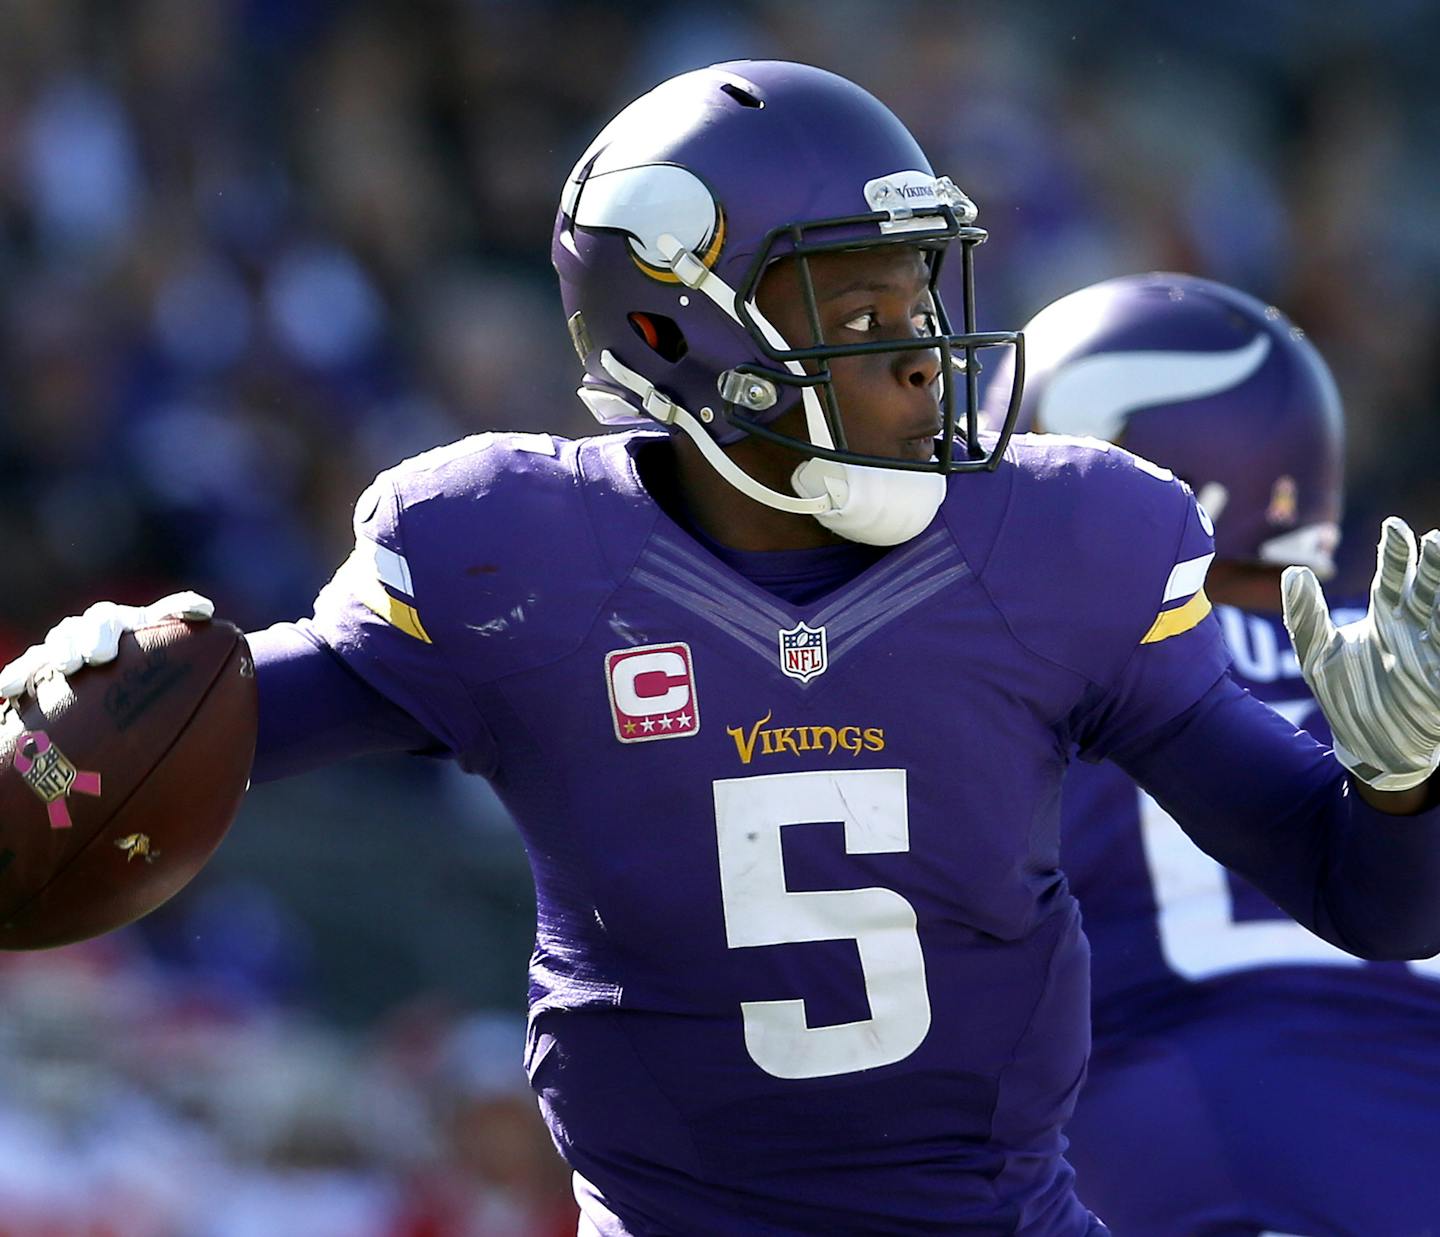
{"points": [[874, 506], [668, 412]]}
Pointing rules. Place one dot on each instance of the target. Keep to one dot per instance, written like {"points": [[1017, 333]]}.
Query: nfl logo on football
{"points": [[803, 651], [51, 775]]}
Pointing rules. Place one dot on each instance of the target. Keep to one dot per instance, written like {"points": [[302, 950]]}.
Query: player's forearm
{"points": [[314, 712], [1390, 866], [1276, 807]]}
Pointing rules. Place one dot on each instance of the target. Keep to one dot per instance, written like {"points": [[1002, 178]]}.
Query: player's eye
{"points": [[925, 322], [868, 321]]}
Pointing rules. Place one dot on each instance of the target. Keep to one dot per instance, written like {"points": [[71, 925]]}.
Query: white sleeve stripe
{"points": [[1187, 577], [389, 566]]}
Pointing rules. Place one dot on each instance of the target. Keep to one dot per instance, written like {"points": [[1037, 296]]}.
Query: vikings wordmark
{"points": [[800, 740]]}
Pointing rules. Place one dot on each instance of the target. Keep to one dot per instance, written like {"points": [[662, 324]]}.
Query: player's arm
{"points": [[1270, 803], [1266, 801], [1377, 680], [313, 710], [364, 674]]}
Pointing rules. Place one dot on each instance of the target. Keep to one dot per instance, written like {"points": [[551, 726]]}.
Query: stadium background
{"points": [[251, 251]]}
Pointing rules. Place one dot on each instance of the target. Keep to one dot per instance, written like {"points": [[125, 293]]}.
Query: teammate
{"points": [[780, 682], [1265, 1080]]}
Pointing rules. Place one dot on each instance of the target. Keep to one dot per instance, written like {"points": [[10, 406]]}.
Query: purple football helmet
{"points": [[1211, 383], [673, 214]]}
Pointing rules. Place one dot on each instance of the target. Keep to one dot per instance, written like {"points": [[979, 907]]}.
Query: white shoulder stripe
{"points": [[391, 568], [1186, 578], [1095, 395]]}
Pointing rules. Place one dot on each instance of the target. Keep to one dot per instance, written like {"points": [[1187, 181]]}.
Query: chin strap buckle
{"points": [[660, 406], [747, 390], [688, 269]]}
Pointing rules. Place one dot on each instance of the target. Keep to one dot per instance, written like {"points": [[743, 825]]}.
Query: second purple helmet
{"points": [[1215, 385]]}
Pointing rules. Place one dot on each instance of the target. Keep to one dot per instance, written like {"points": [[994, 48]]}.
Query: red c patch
{"points": [[652, 693]]}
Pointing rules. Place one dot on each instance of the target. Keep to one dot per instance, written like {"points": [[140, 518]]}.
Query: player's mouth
{"points": [[920, 447]]}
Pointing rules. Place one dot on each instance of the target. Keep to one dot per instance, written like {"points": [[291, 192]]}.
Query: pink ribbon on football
{"points": [[85, 783]]}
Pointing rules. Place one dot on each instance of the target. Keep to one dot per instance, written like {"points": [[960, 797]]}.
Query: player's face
{"points": [[889, 401]]}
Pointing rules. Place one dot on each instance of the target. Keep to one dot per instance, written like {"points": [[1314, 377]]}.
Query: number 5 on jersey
{"points": [[750, 814]]}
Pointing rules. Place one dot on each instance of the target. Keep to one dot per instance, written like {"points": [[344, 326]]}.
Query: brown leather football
{"points": [[118, 783]]}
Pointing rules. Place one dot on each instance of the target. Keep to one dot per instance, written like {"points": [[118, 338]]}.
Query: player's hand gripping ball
{"points": [[118, 784]]}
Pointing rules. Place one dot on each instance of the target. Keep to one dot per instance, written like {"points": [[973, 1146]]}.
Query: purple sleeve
{"points": [[1175, 662], [314, 711], [374, 668], [1159, 683], [1273, 805]]}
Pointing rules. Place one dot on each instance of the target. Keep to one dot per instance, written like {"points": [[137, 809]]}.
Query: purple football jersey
{"points": [[805, 960], [1267, 1080]]}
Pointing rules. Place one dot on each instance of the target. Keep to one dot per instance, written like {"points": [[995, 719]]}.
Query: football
{"points": [[118, 783]]}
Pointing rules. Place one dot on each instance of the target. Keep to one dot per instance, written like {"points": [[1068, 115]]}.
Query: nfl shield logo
{"points": [[802, 651], [50, 775]]}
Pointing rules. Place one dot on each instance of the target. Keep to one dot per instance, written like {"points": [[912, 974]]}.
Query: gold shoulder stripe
{"points": [[1179, 620], [359, 576], [397, 614]]}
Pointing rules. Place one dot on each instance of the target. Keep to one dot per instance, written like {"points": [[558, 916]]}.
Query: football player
{"points": [[780, 680], [1265, 1080]]}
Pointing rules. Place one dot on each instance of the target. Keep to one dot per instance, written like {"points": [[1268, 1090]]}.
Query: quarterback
{"points": [[780, 680], [1270, 1081]]}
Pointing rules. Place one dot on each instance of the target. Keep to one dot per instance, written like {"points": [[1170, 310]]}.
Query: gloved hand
{"points": [[93, 638], [1378, 679]]}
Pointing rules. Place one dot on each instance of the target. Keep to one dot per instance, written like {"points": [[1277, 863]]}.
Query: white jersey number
{"points": [[750, 813], [1198, 931]]}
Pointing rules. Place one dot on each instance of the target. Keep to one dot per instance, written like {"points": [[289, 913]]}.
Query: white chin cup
{"points": [[875, 506]]}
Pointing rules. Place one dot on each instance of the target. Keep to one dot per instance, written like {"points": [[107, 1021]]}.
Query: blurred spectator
{"points": [[496, 1173]]}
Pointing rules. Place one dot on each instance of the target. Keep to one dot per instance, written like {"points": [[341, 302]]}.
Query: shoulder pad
{"points": [[490, 544], [1097, 546]]}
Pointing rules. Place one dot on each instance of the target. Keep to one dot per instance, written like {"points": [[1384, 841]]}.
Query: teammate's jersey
{"points": [[805, 960], [1266, 1080]]}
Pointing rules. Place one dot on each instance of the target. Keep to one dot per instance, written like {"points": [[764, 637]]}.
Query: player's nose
{"points": [[917, 367]]}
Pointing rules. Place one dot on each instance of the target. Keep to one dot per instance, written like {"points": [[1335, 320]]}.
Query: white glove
{"points": [[1377, 680], [92, 638]]}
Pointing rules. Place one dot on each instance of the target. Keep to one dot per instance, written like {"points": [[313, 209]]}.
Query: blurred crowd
{"points": [[252, 251], [138, 1101]]}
